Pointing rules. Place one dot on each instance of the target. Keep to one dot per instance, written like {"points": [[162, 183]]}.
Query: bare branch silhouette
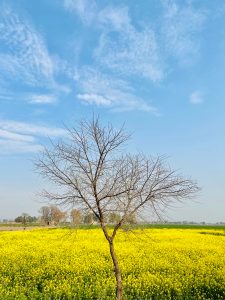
{"points": [[92, 174]]}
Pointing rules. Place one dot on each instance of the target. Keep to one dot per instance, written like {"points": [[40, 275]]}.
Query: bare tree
{"points": [[75, 216], [56, 214], [24, 219], [45, 212], [52, 214], [94, 175]]}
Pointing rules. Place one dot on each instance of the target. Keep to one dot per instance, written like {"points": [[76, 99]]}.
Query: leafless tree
{"points": [[94, 174], [76, 217], [45, 212], [57, 215], [52, 214]]}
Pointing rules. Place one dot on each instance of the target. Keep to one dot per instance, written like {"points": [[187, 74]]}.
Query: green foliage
{"points": [[25, 219]]}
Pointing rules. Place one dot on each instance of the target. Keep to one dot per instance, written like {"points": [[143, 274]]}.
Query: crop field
{"points": [[75, 264]]}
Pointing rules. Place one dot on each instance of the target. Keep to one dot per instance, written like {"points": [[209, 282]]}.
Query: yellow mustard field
{"points": [[75, 264]]}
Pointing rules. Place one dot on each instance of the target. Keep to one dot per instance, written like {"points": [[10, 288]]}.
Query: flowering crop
{"points": [[75, 264]]}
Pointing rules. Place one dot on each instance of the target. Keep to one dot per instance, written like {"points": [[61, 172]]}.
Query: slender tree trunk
{"points": [[119, 285]]}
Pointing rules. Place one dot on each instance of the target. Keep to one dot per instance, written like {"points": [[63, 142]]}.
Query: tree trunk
{"points": [[119, 286]]}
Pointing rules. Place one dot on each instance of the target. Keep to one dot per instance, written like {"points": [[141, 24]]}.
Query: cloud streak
{"points": [[42, 99], [8, 147], [29, 128], [102, 89], [15, 136], [94, 99], [21, 137]]}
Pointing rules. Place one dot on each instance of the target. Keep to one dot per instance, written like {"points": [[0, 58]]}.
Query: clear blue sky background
{"points": [[158, 66]]}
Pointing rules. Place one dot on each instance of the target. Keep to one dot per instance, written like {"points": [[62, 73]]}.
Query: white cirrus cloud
{"points": [[131, 53], [102, 89], [116, 18], [122, 48], [26, 60], [94, 99], [125, 49], [21, 137], [9, 147], [4, 134], [85, 9], [27, 56], [42, 99], [181, 26], [29, 128], [196, 97]]}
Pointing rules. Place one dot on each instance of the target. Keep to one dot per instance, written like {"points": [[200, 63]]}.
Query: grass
{"points": [[126, 227]]}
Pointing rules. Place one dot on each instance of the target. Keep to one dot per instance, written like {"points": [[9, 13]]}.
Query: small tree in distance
{"points": [[94, 175], [56, 214], [51, 215], [76, 217], [25, 218], [45, 212]]}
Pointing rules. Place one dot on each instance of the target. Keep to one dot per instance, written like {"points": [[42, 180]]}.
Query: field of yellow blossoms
{"points": [[75, 264]]}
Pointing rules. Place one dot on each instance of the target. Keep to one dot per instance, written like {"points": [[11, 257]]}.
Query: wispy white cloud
{"points": [[11, 142], [94, 99], [21, 137], [139, 48], [15, 136], [102, 89], [196, 97], [122, 48], [115, 18], [27, 55], [122, 53], [181, 25], [131, 53], [15, 147], [42, 99], [84, 8], [29, 128], [25, 60], [125, 49]]}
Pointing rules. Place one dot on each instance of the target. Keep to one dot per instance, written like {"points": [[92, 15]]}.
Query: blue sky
{"points": [[158, 66]]}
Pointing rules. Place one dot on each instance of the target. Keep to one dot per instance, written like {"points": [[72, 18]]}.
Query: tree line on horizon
{"points": [[53, 215]]}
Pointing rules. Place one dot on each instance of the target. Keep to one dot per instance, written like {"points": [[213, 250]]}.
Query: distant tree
{"points": [[19, 219], [92, 173], [45, 212], [31, 219], [56, 214], [89, 218], [76, 217], [113, 218], [131, 219], [25, 217], [52, 214]]}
